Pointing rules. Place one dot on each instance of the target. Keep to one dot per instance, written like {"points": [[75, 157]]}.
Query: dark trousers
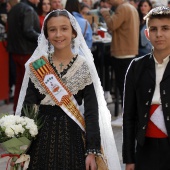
{"points": [[154, 155], [120, 67], [20, 61]]}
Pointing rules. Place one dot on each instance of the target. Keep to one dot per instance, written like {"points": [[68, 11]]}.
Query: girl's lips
{"points": [[58, 41]]}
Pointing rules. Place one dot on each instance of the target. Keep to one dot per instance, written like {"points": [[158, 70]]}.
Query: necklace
{"points": [[61, 66], [60, 74]]}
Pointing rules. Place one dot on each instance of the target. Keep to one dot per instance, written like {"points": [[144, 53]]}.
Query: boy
{"points": [[146, 114]]}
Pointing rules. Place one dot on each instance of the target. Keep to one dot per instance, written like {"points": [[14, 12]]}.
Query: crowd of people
{"points": [[50, 45]]}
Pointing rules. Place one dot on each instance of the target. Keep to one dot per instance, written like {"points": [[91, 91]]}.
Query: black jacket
{"points": [[139, 90], [23, 29]]}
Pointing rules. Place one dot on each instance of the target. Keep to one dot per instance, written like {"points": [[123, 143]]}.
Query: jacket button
{"points": [[166, 104], [144, 127], [164, 92], [167, 118], [149, 91], [147, 102], [145, 115]]}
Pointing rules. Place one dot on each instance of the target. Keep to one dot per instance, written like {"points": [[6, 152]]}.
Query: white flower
{"points": [[17, 129], [33, 131], [15, 126], [9, 132]]}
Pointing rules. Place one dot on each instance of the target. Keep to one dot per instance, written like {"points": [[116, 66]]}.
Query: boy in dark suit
{"points": [[146, 111]]}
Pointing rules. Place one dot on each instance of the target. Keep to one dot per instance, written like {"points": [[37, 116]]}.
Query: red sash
{"points": [[152, 130]]}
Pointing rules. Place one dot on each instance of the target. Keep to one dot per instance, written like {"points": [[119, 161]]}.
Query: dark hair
{"points": [[83, 5], [72, 6], [159, 12], [96, 5], [103, 0], [139, 10], [56, 13], [39, 7]]}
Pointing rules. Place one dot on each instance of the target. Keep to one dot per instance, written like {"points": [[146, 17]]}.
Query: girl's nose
{"points": [[58, 33]]}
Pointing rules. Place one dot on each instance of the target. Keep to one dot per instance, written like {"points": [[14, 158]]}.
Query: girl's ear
{"points": [[147, 34]]}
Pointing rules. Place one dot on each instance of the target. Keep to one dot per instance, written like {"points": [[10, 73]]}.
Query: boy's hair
{"points": [[158, 12]]}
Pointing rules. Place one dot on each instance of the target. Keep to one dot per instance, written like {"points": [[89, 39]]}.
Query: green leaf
{"points": [[30, 112]]}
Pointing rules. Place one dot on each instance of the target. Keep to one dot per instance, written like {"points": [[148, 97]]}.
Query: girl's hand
{"points": [[90, 162], [130, 166]]}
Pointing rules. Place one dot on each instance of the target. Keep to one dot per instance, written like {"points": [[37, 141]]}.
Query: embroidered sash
{"points": [[57, 90]]}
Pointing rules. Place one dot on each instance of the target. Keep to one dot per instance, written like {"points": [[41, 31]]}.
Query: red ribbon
{"points": [[11, 156]]}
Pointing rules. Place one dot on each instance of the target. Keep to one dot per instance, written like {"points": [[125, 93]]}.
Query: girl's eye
{"points": [[64, 28]]}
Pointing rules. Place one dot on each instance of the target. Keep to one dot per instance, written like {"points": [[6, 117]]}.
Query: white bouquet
{"points": [[16, 134]]}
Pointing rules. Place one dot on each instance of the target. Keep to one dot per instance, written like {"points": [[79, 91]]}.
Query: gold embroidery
{"points": [[41, 73]]}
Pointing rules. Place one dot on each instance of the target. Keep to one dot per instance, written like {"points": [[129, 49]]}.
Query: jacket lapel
{"points": [[167, 71], [151, 68]]}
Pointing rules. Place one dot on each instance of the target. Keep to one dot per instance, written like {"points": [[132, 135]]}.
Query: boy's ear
{"points": [[147, 34]]}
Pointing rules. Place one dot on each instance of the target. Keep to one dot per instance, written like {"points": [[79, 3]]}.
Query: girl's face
{"points": [[46, 7], [145, 8], [60, 32]]}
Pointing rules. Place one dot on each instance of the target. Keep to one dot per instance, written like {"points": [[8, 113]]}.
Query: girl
{"points": [[59, 82]]}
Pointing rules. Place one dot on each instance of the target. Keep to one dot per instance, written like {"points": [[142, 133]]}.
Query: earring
{"points": [[72, 43], [49, 46]]}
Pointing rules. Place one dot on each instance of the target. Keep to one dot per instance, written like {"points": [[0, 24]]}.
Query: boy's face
{"points": [[158, 33]]}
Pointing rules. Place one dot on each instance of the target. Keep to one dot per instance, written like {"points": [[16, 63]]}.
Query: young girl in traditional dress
{"points": [[60, 77]]}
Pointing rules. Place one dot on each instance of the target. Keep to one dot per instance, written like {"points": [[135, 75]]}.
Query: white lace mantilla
{"points": [[75, 79]]}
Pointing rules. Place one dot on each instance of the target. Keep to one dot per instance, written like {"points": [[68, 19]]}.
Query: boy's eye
{"points": [[51, 30], [152, 29], [165, 28]]}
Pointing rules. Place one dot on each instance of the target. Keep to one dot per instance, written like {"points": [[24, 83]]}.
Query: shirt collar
{"points": [[165, 60]]}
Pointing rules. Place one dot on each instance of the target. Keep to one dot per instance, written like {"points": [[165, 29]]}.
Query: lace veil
{"points": [[80, 47]]}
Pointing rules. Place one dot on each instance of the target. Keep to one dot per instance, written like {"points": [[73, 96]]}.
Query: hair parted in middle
{"points": [[56, 13]]}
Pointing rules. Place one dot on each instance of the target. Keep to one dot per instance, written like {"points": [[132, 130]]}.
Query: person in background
{"points": [[12, 67], [73, 6], [84, 9], [168, 3], [89, 3], [146, 112], [43, 9], [11, 3], [133, 2], [69, 139], [96, 5], [23, 32], [56, 4], [145, 46], [124, 27], [102, 4], [3, 12], [107, 57]]}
